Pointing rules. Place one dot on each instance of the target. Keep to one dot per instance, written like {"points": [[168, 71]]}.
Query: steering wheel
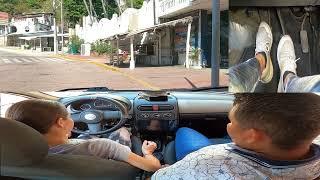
{"points": [[94, 118]]}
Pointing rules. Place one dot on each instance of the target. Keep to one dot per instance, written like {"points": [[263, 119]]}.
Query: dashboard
{"points": [[149, 111]]}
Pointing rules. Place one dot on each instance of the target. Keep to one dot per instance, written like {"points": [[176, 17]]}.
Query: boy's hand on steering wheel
{"points": [[148, 147]]}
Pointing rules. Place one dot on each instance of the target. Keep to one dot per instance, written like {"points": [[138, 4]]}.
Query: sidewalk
{"points": [[160, 77]]}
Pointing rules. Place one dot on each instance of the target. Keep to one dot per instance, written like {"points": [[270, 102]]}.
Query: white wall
{"points": [[165, 7], [130, 20], [22, 24]]}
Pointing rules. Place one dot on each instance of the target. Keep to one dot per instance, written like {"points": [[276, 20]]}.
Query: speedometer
{"points": [[85, 107], [103, 104], [99, 103]]}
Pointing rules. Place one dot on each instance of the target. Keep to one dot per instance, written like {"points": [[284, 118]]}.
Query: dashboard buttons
{"points": [[144, 115], [168, 115], [156, 115]]}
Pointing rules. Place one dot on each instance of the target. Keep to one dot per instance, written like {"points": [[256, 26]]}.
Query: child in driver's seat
{"points": [[276, 136], [53, 121]]}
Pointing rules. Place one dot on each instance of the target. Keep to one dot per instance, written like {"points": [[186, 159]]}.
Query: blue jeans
{"points": [[188, 140], [245, 76], [304, 84]]}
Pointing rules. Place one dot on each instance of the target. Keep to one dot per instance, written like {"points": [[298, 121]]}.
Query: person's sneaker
{"points": [[264, 41], [286, 60]]}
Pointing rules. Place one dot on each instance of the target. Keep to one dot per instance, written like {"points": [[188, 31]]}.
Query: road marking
{"points": [[17, 60], [56, 60], [28, 60], [7, 61], [36, 60]]}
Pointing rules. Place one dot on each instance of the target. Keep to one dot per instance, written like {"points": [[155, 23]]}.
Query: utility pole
{"points": [[55, 44], [132, 61], [215, 59], [62, 26]]}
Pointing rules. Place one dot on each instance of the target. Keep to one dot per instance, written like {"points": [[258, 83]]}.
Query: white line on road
{"points": [[7, 61], [17, 60], [28, 60], [51, 59], [36, 59], [56, 59]]}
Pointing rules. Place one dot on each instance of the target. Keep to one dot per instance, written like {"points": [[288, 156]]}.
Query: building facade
{"points": [[4, 20], [162, 32], [32, 31], [201, 33]]}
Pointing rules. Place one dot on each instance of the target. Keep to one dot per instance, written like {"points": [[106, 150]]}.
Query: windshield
{"points": [[52, 45]]}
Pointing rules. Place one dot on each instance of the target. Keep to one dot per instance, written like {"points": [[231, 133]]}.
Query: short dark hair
{"points": [[38, 114], [289, 119]]}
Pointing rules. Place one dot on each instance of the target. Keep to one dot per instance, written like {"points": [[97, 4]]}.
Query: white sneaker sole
{"points": [[267, 77]]}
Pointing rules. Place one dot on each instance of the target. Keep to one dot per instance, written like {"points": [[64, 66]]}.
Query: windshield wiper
{"points": [[89, 89]]}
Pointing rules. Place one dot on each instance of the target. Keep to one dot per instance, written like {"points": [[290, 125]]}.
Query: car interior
{"points": [[149, 115]]}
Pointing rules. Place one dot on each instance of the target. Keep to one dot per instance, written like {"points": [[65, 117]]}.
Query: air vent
{"points": [[165, 107], [156, 108], [145, 108]]}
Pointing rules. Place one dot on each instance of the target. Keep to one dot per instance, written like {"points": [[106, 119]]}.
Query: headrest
{"points": [[20, 144]]}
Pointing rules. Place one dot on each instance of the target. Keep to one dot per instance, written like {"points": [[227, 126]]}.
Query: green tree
{"points": [[34, 4], [73, 11], [136, 3], [8, 6]]}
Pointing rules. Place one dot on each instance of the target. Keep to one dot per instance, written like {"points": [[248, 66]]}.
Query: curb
{"points": [[111, 68]]}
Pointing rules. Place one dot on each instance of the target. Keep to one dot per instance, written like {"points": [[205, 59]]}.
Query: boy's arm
{"points": [[148, 163]]}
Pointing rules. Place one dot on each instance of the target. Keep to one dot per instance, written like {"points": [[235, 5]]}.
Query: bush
{"points": [[75, 44], [101, 47], [194, 54]]}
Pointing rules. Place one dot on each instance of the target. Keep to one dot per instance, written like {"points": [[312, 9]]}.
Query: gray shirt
{"points": [[225, 161], [99, 147]]}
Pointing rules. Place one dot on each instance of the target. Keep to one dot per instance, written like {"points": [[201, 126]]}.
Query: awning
{"points": [[185, 20], [117, 36], [28, 38], [31, 34]]}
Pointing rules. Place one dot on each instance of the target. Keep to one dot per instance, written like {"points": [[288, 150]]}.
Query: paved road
{"points": [[27, 71], [33, 72]]}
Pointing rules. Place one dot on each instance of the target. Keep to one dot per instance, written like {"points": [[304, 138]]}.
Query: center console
{"points": [[156, 112]]}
